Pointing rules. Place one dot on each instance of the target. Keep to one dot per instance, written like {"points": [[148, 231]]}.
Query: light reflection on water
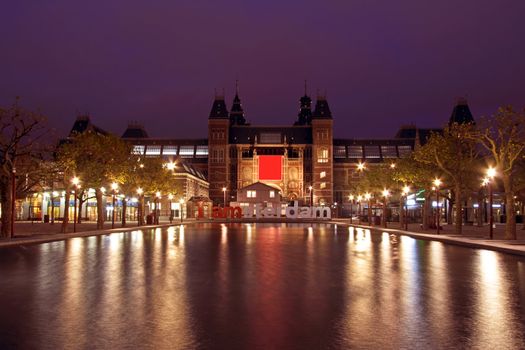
{"points": [[259, 286]]}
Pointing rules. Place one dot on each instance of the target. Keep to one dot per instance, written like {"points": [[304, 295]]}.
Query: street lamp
{"points": [[437, 183], [139, 216], [170, 197], [385, 193], [351, 199], [224, 197], [361, 166], [311, 188], [491, 173], [114, 188], [75, 181], [157, 211], [359, 199], [181, 202], [369, 211], [406, 190]]}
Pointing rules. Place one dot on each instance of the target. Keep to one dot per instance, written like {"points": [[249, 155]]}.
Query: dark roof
{"points": [[237, 113], [246, 134], [461, 113], [218, 109], [83, 123], [322, 110], [304, 116], [411, 132], [135, 131]]}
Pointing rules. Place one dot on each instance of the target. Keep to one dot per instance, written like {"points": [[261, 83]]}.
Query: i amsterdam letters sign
{"points": [[258, 211]]}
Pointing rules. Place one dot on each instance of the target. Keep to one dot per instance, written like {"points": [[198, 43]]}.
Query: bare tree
{"points": [[21, 142], [503, 136]]}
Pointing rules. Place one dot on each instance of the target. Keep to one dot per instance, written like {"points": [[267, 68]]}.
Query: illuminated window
{"points": [[355, 152], [186, 151], [202, 151], [169, 150], [323, 185], [404, 150], [272, 194], [339, 152], [323, 174], [372, 152], [139, 149], [322, 155], [389, 151], [251, 194], [153, 150]]}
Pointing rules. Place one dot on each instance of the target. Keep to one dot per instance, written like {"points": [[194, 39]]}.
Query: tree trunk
{"points": [[100, 209], [481, 205], [459, 218], [427, 213], [402, 217], [81, 202], [141, 210], [65, 220], [124, 206], [510, 224], [5, 196], [523, 213]]}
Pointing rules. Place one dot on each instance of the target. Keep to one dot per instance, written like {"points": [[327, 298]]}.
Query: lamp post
{"points": [[437, 183], [386, 193], [114, 187], [359, 199], [311, 188], [75, 181], [406, 190], [351, 199], [158, 196], [224, 197], [181, 202], [139, 214], [13, 200], [170, 197], [369, 211], [491, 173]]}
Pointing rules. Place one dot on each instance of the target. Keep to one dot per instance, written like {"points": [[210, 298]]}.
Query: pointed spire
{"points": [[218, 109], [305, 110], [461, 113], [237, 112]]}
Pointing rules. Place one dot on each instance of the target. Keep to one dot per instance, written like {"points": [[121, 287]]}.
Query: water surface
{"points": [[255, 286]]}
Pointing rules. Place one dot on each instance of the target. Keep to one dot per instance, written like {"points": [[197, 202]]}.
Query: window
{"points": [[323, 174], [202, 151], [251, 194], [186, 151], [389, 151], [323, 185], [355, 152], [322, 155], [169, 150], [372, 152], [272, 194], [339, 152], [404, 150], [139, 149], [153, 150]]}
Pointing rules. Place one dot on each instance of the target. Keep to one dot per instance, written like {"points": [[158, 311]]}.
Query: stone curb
{"points": [[465, 242], [63, 236]]}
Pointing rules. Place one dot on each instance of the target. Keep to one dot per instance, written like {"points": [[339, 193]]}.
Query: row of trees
{"points": [[31, 160], [460, 156]]}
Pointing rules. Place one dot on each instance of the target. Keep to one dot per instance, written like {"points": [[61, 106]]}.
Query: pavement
{"points": [[472, 236]]}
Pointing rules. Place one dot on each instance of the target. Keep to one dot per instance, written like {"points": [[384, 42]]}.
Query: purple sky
{"points": [[383, 63]]}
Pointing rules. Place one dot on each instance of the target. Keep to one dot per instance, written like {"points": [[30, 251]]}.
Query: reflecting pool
{"points": [[276, 286]]}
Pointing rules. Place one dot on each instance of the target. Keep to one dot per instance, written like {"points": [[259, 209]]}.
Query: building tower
{"points": [[305, 110], [322, 153], [237, 113], [218, 158], [461, 113]]}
